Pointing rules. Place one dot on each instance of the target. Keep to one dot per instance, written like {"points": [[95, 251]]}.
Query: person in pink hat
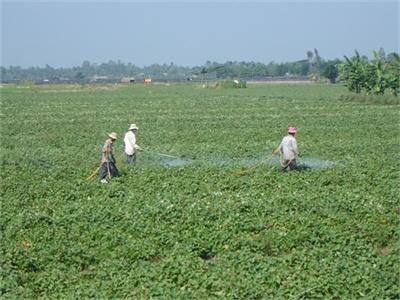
{"points": [[288, 148]]}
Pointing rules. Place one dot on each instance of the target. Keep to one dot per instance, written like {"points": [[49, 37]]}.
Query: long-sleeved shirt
{"points": [[107, 152], [130, 143], [289, 148]]}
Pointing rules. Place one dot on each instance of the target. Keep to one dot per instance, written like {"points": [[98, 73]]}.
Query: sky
{"points": [[189, 33]]}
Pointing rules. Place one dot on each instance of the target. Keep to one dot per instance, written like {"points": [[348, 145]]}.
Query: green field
{"points": [[200, 226]]}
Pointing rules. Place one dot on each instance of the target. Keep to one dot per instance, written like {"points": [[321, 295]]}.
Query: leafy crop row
{"points": [[198, 230]]}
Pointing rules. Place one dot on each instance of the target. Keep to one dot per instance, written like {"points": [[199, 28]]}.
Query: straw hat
{"points": [[113, 135], [292, 130], [133, 126]]}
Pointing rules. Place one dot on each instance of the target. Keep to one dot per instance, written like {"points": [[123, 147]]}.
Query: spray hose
{"points": [[93, 174]]}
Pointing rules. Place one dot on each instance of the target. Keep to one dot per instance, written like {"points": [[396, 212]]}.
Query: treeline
{"points": [[359, 73], [311, 66]]}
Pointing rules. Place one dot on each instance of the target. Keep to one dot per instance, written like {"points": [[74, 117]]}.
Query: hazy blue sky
{"points": [[188, 33]]}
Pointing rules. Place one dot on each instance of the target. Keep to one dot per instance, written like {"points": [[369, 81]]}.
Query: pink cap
{"points": [[292, 130]]}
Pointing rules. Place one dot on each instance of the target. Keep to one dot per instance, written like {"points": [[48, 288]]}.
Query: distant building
{"points": [[97, 78], [128, 80]]}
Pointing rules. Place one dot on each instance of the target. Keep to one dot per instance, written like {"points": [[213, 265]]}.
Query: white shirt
{"points": [[130, 143], [289, 148]]}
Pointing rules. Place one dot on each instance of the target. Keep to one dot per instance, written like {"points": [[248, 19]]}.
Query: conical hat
{"points": [[133, 126], [292, 130], [113, 135]]}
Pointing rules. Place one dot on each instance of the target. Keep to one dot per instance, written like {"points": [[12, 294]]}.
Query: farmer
{"points": [[131, 147], [108, 168], [288, 148]]}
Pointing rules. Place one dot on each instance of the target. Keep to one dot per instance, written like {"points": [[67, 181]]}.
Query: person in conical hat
{"points": [[289, 149], [131, 148], [108, 167]]}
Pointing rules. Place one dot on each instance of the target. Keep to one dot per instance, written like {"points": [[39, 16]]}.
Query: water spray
{"points": [[162, 154]]}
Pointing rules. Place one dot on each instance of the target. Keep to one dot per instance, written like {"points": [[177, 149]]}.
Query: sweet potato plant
{"points": [[203, 229]]}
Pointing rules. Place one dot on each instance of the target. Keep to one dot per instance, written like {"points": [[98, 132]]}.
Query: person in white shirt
{"points": [[288, 148], [131, 147]]}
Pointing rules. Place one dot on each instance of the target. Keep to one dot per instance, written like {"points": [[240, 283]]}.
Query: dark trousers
{"points": [[131, 159], [289, 164], [108, 168]]}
